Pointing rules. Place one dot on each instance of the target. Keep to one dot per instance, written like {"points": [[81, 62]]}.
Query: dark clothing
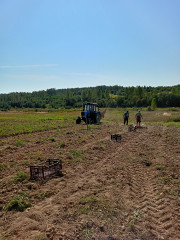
{"points": [[125, 120], [138, 119], [126, 116]]}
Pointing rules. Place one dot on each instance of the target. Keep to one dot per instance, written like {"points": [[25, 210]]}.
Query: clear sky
{"points": [[82, 43]]}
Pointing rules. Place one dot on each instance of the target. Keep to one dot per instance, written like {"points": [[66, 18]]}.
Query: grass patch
{"points": [[77, 156], [164, 180], [19, 202], [113, 182], [35, 155], [137, 214], [4, 166], [42, 195], [158, 134], [99, 147], [2, 143], [89, 199], [20, 177], [76, 153], [177, 124], [175, 119], [43, 139], [19, 143], [171, 192], [62, 144], [13, 124], [25, 162], [87, 232], [170, 123], [84, 210], [40, 237], [160, 155], [160, 167], [93, 204], [28, 122], [91, 127]]}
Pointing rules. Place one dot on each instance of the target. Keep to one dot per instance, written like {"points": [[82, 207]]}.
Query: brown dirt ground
{"points": [[109, 190]]}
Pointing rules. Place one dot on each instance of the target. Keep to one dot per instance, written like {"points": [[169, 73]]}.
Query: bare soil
{"points": [[109, 190]]}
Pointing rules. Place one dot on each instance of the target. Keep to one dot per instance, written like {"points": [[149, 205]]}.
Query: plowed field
{"points": [[109, 190]]}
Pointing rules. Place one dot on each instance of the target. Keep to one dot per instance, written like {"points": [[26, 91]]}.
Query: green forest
{"points": [[105, 96]]}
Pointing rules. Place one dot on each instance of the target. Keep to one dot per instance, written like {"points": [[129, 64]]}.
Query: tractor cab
{"points": [[90, 107]]}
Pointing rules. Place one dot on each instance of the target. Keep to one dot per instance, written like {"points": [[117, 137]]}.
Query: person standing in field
{"points": [[138, 117], [126, 116]]}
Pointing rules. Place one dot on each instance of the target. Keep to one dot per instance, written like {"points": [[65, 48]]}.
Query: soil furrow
{"points": [[115, 190]]}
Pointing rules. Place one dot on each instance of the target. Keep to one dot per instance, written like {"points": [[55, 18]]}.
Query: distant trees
{"points": [[105, 96], [153, 104]]}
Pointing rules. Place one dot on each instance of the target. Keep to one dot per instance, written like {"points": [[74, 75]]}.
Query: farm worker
{"points": [[126, 116], [138, 117]]}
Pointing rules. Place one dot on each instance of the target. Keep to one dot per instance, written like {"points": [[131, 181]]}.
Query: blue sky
{"points": [[82, 43]]}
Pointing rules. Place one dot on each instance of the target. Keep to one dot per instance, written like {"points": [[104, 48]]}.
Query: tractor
{"points": [[90, 114]]}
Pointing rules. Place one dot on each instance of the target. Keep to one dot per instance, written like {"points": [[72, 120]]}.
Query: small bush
{"points": [[149, 108], [19, 202], [20, 177]]}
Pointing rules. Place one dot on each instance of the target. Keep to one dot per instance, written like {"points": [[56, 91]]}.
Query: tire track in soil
{"points": [[159, 216], [158, 220]]}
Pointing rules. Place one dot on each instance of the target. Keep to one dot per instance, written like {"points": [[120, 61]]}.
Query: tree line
{"points": [[105, 96]]}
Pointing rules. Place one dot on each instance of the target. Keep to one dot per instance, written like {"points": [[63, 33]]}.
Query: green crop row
{"points": [[18, 123]]}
